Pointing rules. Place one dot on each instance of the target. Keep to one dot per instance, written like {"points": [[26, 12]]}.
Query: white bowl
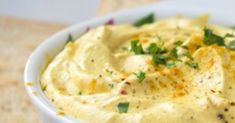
{"points": [[55, 44]]}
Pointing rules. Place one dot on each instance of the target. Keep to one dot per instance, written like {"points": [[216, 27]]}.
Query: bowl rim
{"points": [[79, 27]]}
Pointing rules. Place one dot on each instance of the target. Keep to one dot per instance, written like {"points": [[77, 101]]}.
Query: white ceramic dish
{"points": [[55, 43]]}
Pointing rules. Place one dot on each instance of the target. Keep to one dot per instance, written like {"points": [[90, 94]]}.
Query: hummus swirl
{"points": [[99, 79]]}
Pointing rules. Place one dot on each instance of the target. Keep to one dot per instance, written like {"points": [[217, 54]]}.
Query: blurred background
{"points": [[26, 23], [64, 11]]}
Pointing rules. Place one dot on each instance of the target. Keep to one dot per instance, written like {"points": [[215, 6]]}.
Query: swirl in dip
{"points": [[174, 70]]}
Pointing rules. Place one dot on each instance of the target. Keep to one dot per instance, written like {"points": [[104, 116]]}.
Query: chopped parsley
{"points": [[170, 64], [229, 35], [159, 59], [123, 107], [211, 38], [178, 43], [110, 85], [140, 76], [146, 19], [231, 45], [193, 64], [154, 49], [185, 47], [198, 46], [70, 38], [109, 71], [44, 87], [187, 54], [161, 56], [173, 53], [170, 57], [79, 93], [136, 47]]}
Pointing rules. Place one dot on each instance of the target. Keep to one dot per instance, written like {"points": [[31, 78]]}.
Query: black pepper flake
{"points": [[220, 116], [226, 109], [79, 93], [109, 71], [128, 83], [92, 60], [137, 106], [209, 77], [232, 103], [100, 76], [213, 91]]}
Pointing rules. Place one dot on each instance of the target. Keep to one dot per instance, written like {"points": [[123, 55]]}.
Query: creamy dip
{"points": [[174, 70]]}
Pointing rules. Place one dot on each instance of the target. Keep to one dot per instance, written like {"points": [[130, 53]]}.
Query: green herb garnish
{"points": [[123, 107], [79, 93], [140, 76], [229, 35], [231, 45], [70, 38], [110, 85], [159, 59], [211, 38], [136, 47], [44, 87], [173, 53], [178, 43], [198, 46], [154, 49], [185, 47], [193, 64], [170, 64], [146, 19], [187, 54]]}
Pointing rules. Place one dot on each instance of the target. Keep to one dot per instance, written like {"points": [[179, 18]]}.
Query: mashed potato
{"points": [[174, 70]]}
